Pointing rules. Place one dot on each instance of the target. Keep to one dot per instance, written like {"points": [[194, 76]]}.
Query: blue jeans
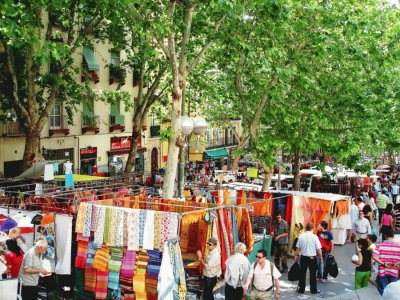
{"points": [[382, 282], [323, 274]]}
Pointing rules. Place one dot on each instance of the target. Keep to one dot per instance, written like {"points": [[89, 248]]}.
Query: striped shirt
{"points": [[382, 201], [388, 252]]}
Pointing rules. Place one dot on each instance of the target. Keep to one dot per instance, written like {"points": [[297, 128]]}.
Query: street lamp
{"points": [[197, 126]]}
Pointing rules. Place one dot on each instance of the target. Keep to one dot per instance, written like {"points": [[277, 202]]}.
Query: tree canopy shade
{"points": [[37, 42], [322, 65]]}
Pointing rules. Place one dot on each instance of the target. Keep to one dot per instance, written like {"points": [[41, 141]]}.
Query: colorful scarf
{"points": [[80, 219], [82, 251], [100, 262], [99, 224], [88, 221], [90, 279], [101, 285], [142, 221], [115, 262], [157, 229], [133, 230], [148, 236], [113, 280], [128, 263]]}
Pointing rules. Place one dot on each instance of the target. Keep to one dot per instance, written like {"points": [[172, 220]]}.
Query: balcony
{"points": [[11, 129], [155, 131], [117, 74], [62, 128], [117, 122], [90, 123], [221, 142]]}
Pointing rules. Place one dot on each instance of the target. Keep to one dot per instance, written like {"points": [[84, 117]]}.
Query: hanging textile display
{"points": [[63, 245], [171, 285], [46, 231]]}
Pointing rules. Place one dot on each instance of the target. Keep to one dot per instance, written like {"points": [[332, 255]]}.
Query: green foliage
{"points": [[166, 134], [117, 96]]}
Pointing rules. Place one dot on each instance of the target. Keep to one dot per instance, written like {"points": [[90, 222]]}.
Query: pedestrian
{"points": [[397, 218], [353, 217], [309, 246], [211, 268], [387, 221], [264, 276], [382, 201], [387, 255], [299, 229], [372, 204], [236, 273], [31, 267], [361, 227], [281, 241], [363, 269], [371, 239], [325, 237], [14, 257], [394, 191]]}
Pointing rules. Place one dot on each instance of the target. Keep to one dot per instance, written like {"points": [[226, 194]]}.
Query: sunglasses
{"points": [[259, 257], [210, 244]]}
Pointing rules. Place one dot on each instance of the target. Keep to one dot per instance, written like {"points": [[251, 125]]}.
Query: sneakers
{"points": [[324, 280], [316, 292]]}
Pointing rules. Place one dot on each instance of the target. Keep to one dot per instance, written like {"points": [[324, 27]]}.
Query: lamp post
{"points": [[197, 126]]}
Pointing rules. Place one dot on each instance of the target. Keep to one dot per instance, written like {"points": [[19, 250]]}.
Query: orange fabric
{"points": [[341, 208], [315, 210], [241, 197], [47, 219], [245, 230], [227, 201]]}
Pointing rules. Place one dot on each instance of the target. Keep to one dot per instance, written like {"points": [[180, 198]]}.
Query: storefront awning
{"points": [[125, 151], [217, 153]]}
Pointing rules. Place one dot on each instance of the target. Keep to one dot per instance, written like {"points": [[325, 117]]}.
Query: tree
{"points": [[34, 36], [170, 23]]}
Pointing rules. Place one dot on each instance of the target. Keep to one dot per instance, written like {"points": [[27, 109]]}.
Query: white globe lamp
{"points": [[186, 125], [199, 125]]}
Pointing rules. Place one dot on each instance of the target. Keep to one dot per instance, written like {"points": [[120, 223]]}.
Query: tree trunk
{"points": [[235, 163], [174, 143], [296, 171], [267, 177], [31, 151], [136, 133]]}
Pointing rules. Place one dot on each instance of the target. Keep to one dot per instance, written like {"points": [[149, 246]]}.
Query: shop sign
{"points": [[90, 150], [123, 143]]}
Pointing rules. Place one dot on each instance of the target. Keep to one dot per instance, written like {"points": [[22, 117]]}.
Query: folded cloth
{"points": [[83, 245], [90, 279], [128, 263], [113, 280], [101, 285], [115, 261], [100, 262], [91, 253]]}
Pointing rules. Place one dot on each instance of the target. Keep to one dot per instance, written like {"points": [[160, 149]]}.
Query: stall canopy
{"points": [[80, 178], [219, 153]]}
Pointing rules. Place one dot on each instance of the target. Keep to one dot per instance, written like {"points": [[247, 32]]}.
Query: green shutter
{"points": [[90, 59]]}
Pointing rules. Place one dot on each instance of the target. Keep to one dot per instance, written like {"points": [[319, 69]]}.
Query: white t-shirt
{"points": [[263, 279], [308, 243], [391, 291]]}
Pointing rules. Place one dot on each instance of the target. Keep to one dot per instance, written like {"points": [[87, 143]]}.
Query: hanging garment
{"points": [[128, 263], [100, 222], [91, 253], [80, 260], [101, 285], [100, 262], [107, 226], [55, 168], [139, 278], [113, 280], [113, 227], [125, 229], [69, 180], [157, 229], [171, 281], [235, 229], [80, 219], [142, 222], [90, 279], [164, 228], [48, 172], [173, 226], [64, 244], [133, 230], [88, 221], [148, 237], [115, 261], [119, 238]]}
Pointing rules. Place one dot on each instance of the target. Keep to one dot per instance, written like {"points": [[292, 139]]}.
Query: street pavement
{"points": [[339, 288]]}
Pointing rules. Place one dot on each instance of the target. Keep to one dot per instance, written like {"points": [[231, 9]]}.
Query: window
{"points": [[55, 116], [115, 61], [154, 120]]}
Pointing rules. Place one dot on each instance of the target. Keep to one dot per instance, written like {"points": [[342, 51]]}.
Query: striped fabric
{"points": [[113, 280], [91, 253], [139, 279], [82, 251], [101, 285], [90, 279], [388, 252], [128, 263], [126, 286], [100, 262], [79, 292], [115, 262]]}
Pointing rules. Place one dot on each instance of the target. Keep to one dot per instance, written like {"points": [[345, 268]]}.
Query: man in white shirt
{"points": [[395, 191], [211, 268], [309, 246], [361, 227], [391, 291], [264, 275]]}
